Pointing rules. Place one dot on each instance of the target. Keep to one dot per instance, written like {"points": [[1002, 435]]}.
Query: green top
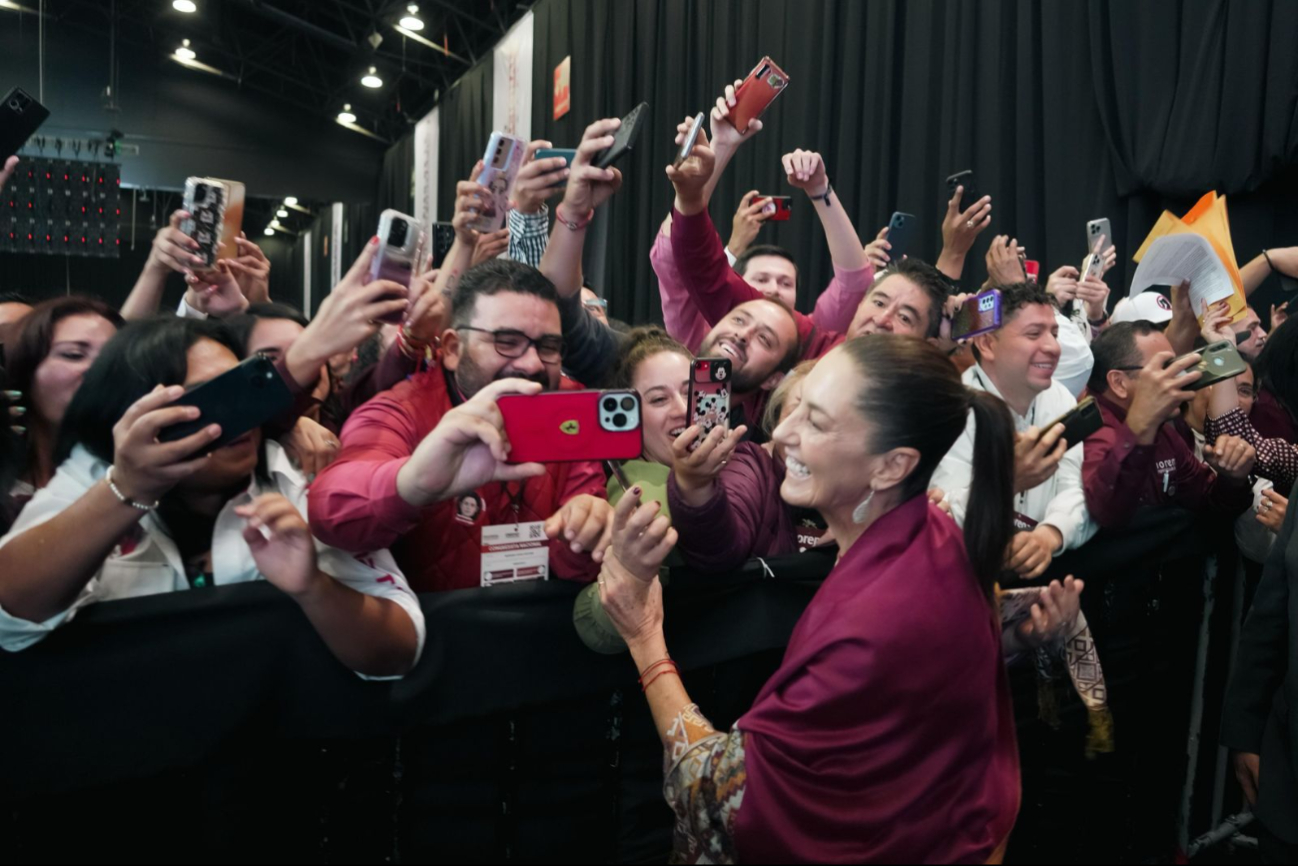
{"points": [[592, 623]]}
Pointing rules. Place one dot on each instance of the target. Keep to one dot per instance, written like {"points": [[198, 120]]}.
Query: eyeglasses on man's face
{"points": [[514, 344], [595, 304]]}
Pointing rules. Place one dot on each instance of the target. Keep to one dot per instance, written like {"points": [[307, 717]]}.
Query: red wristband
{"points": [[573, 225]]}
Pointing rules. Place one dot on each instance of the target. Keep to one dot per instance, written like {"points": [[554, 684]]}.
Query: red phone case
{"points": [[783, 207], [756, 93], [570, 426], [709, 394]]}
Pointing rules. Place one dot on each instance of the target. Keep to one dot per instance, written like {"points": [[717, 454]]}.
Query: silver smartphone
{"points": [[1094, 229], [401, 249], [687, 146], [501, 162]]}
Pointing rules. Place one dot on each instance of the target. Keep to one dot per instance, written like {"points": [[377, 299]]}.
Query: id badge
{"points": [[515, 552]]}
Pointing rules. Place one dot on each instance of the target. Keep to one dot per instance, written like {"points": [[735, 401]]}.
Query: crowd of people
{"points": [[930, 468]]}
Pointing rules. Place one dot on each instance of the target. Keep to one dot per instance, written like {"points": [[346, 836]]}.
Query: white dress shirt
{"points": [[153, 564], [1059, 502]]}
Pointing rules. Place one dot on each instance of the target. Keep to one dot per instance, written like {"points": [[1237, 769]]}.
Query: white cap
{"points": [[1147, 306]]}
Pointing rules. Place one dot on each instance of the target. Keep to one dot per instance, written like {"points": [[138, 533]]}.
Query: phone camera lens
{"points": [[627, 404], [610, 404], [397, 236], [15, 105], [619, 420]]}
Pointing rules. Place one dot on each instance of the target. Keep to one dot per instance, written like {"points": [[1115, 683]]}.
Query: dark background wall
{"points": [[1065, 111]]}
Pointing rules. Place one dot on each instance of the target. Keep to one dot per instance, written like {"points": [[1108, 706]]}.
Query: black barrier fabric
{"points": [[210, 726], [220, 717]]}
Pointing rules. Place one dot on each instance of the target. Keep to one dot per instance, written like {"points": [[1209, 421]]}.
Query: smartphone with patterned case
{"points": [[709, 394], [571, 426], [501, 162], [205, 200], [399, 256]]}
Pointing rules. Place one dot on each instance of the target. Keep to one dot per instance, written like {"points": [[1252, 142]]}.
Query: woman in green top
{"points": [[658, 368]]}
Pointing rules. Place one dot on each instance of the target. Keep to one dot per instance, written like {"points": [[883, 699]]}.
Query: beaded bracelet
{"points": [[122, 498]]}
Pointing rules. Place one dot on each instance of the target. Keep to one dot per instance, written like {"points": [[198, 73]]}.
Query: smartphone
{"points": [[205, 200], [567, 153], [20, 116], [980, 314], [1093, 266], [766, 82], [901, 234], [442, 237], [571, 426], [687, 146], [1220, 361], [1080, 422], [965, 179], [625, 138], [783, 207], [399, 256], [501, 162], [232, 225], [709, 394], [240, 400], [1031, 269], [1094, 229]]}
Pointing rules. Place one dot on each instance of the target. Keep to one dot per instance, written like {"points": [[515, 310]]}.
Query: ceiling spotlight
{"points": [[410, 22], [186, 6], [184, 52], [372, 79], [291, 201], [274, 224], [270, 232], [281, 213], [346, 116]]}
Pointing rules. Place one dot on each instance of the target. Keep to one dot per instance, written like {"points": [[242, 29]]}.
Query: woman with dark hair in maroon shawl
{"points": [[887, 733]]}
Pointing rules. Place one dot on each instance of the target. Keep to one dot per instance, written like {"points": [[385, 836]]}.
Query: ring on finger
{"points": [[969, 223]]}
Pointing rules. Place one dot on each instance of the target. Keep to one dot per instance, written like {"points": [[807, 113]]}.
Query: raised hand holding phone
{"points": [[749, 217], [696, 468], [692, 178], [146, 469], [467, 449], [541, 178], [590, 186], [878, 250]]}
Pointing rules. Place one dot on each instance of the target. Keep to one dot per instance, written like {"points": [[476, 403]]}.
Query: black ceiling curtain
{"points": [[1065, 111]]}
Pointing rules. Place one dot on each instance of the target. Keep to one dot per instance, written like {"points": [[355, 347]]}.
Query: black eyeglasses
{"points": [[514, 344]]}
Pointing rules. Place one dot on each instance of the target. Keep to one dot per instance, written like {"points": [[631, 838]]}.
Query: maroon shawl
{"points": [[887, 735]]}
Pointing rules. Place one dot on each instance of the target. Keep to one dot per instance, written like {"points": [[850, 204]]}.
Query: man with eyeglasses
{"points": [[505, 325], [1137, 459]]}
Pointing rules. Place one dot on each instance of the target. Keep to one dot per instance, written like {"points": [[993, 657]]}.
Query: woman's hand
{"points": [[1054, 614], [215, 293], [470, 198], [281, 543], [805, 169], [1062, 284], [251, 269], [173, 249], [144, 469], [586, 523], [310, 446], [1216, 323], [696, 468], [629, 588], [1272, 509]]}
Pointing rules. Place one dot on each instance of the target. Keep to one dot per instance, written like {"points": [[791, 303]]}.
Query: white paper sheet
{"points": [[1173, 259]]}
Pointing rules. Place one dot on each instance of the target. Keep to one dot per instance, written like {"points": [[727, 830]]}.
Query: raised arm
{"points": [[529, 218], [172, 251], [588, 188], [959, 229], [1283, 260]]}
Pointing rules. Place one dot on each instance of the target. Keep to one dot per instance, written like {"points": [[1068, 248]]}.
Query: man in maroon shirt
{"points": [[1137, 459], [505, 325]]}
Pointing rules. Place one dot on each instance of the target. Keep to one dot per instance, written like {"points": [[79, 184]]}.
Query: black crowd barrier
{"points": [[213, 726]]}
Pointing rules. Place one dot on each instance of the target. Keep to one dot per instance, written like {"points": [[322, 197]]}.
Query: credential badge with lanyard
{"points": [[514, 552]]}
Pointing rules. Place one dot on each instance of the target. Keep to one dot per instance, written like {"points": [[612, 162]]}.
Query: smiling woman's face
{"points": [[663, 382]]}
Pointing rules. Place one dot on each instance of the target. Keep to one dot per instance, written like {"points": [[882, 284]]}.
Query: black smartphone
{"points": [[20, 116], [625, 139], [1080, 422], [240, 400], [901, 233], [1220, 361], [443, 236], [965, 179]]}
